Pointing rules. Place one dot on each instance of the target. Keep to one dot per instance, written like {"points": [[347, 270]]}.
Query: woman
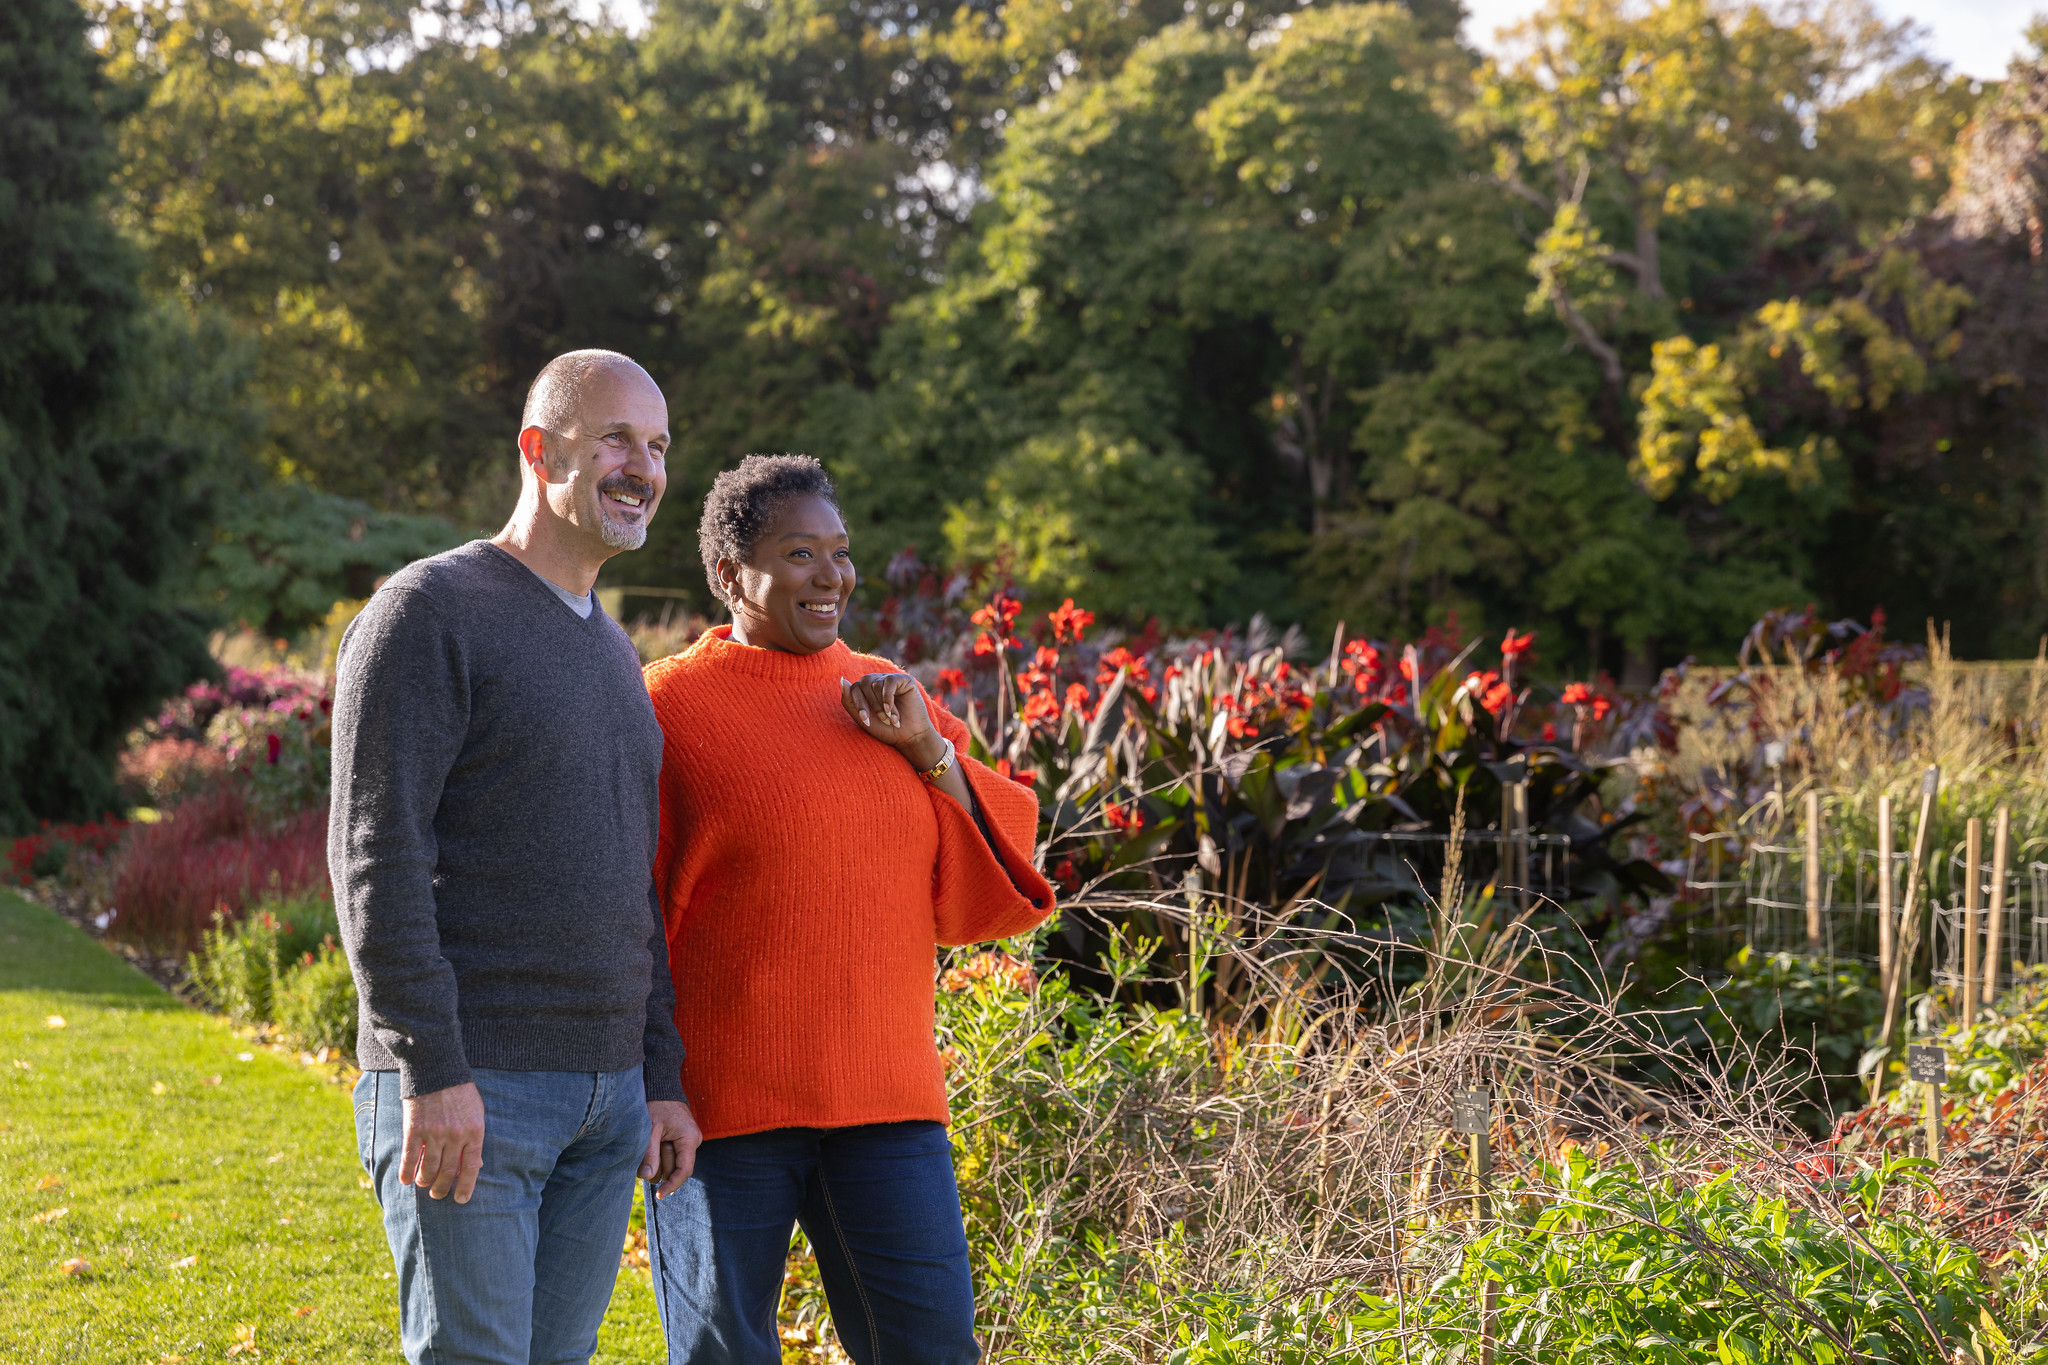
{"points": [[822, 832]]}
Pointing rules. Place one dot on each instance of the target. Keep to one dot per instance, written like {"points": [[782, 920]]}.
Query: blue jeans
{"points": [[522, 1273], [882, 1212]]}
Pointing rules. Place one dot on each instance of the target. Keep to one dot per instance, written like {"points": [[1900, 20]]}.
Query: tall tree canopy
{"points": [[1663, 317]]}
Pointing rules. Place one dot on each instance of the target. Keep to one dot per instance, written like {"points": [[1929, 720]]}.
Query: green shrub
{"points": [[315, 1000], [239, 965]]}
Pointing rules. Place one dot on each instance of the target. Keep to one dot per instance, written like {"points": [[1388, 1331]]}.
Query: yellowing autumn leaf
{"points": [[157, 1087], [76, 1266], [49, 1215], [186, 1264], [54, 1021], [305, 1312], [50, 1182], [245, 1340]]}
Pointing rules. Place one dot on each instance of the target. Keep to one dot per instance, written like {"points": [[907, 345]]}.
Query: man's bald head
{"points": [[558, 389]]}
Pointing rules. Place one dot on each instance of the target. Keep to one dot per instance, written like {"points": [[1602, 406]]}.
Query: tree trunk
{"points": [[1639, 666]]}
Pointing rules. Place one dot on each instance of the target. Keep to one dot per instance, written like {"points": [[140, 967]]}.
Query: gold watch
{"points": [[942, 767]]}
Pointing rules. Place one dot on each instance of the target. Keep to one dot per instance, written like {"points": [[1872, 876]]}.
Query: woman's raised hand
{"points": [[889, 707]]}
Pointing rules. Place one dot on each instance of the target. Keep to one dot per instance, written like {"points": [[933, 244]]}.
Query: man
{"points": [[495, 806]]}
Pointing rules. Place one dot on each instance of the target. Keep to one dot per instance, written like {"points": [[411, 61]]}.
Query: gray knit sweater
{"points": [[496, 766]]}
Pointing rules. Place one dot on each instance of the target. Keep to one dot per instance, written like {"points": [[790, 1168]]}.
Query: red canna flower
{"points": [[1576, 694], [1129, 820], [276, 745], [950, 680], [985, 645], [1078, 699], [1065, 875], [1040, 708], [1601, 706], [1069, 619], [1549, 733], [1515, 646], [1023, 777]]}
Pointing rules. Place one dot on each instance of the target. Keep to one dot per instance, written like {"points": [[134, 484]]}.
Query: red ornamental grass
{"points": [[210, 856]]}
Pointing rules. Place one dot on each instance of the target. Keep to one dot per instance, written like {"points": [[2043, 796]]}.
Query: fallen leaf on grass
{"points": [[170, 1360], [211, 1080], [50, 1182], [245, 1056], [363, 1181], [49, 1215], [186, 1264], [305, 1312], [76, 1266], [273, 1158], [245, 1340], [25, 1066], [285, 1221], [157, 1087], [54, 1021]]}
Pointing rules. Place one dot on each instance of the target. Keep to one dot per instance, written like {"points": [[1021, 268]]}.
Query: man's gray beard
{"points": [[620, 535]]}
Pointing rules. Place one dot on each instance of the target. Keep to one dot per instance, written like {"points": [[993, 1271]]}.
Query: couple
{"points": [[681, 926]]}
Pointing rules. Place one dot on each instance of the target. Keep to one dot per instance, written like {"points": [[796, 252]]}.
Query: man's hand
{"points": [[444, 1141], [671, 1147]]}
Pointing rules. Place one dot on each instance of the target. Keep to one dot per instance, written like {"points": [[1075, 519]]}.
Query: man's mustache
{"points": [[626, 483]]}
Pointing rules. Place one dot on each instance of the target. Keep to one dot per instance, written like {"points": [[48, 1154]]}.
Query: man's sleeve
{"points": [[663, 1069], [401, 712]]}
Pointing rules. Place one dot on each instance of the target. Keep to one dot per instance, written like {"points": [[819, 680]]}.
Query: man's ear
{"points": [[533, 450]]}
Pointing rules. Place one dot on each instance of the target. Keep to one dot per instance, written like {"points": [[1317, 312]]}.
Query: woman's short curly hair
{"points": [[743, 500]]}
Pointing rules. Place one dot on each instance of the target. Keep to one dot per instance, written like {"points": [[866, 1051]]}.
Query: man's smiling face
{"points": [[607, 467]]}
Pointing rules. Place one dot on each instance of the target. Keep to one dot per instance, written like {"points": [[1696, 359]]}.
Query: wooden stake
{"points": [[1521, 817], [1994, 928], [1929, 1066], [1482, 1180], [1813, 873], [1908, 945], [1886, 932], [1973, 922]]}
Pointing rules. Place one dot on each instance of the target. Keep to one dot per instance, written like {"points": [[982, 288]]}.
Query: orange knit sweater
{"points": [[807, 876]]}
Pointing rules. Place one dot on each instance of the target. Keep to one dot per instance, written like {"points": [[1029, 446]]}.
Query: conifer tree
{"points": [[101, 499]]}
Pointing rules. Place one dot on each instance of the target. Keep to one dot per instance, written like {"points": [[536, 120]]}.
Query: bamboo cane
{"points": [[1908, 945], [1813, 873], [1994, 927], [1886, 931], [1973, 915]]}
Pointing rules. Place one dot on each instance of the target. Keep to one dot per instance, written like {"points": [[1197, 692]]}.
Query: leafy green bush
{"points": [[1598, 1264], [240, 967], [315, 1000], [1143, 1183]]}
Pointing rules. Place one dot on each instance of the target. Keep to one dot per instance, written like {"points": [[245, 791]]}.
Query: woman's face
{"points": [[792, 590]]}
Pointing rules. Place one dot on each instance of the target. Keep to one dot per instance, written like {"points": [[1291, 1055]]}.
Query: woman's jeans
{"points": [[522, 1273], [882, 1213]]}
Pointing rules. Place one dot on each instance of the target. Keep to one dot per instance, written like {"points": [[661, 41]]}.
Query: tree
{"points": [[108, 447]]}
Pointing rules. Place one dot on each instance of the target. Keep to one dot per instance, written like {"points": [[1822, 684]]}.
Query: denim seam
{"points": [[852, 1269], [420, 1231], [600, 1102]]}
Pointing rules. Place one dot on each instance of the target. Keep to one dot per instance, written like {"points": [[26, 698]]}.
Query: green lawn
{"points": [[205, 1210]]}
